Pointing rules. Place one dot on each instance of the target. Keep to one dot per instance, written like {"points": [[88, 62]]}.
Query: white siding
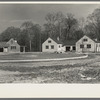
{"points": [[85, 43], [49, 44]]}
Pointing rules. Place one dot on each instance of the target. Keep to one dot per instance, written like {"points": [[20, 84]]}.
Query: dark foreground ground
{"points": [[69, 71]]}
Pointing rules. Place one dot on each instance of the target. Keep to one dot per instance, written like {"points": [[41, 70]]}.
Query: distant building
{"points": [[86, 44], [52, 45], [10, 46]]}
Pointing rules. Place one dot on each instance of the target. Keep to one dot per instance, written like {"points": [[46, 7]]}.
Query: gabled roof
{"points": [[86, 36], [69, 42], [57, 41], [92, 39], [3, 44]]}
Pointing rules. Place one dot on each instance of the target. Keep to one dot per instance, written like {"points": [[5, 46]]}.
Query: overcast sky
{"points": [[16, 14]]}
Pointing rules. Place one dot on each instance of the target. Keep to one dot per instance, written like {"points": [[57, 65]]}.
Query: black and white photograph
{"points": [[50, 43]]}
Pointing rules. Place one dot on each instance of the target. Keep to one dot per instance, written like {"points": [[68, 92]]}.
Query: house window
{"points": [[88, 45], [49, 41], [81, 46], [52, 46], [13, 47], [59, 46], [47, 47], [85, 40]]}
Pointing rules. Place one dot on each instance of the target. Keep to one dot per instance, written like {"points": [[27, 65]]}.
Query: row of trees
{"points": [[66, 27]]}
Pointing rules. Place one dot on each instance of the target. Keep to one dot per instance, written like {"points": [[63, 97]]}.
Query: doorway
{"points": [[67, 48], [74, 48], [1, 49]]}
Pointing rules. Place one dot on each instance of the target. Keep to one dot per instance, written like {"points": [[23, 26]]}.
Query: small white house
{"points": [[86, 44], [52, 45]]}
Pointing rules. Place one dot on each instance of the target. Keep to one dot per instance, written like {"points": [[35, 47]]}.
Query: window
{"points": [[13, 47], [81, 46], [49, 41], [88, 45], [84, 40], [59, 46], [47, 47], [52, 46]]}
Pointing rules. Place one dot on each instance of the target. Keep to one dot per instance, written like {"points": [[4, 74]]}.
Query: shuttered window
{"points": [[88, 45], [47, 47], [13, 47], [81, 46], [52, 46]]}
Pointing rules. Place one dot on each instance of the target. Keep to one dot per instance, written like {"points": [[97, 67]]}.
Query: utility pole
{"points": [[40, 42], [30, 41], [30, 45]]}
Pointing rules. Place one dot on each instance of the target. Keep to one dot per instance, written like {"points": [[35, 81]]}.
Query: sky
{"points": [[16, 14]]}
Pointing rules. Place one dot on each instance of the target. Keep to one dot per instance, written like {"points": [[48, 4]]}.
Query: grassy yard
{"points": [[25, 56], [69, 71]]}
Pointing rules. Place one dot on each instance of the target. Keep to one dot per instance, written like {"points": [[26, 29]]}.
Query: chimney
{"points": [[15, 40], [58, 38], [96, 39]]}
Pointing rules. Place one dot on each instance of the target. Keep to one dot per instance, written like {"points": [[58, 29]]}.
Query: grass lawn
{"points": [[29, 56], [69, 71]]}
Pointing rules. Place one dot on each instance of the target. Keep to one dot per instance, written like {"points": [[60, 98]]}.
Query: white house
{"points": [[86, 44], [52, 45]]}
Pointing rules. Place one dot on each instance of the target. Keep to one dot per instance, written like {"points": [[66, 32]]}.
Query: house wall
{"points": [[57, 47], [85, 49], [11, 43], [97, 47], [63, 48], [5, 49]]}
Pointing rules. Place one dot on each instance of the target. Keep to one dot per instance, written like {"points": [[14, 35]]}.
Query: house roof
{"points": [[69, 42], [96, 41], [3, 44], [86, 36], [57, 41]]}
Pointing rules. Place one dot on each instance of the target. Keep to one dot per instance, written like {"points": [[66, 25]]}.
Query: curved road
{"points": [[40, 60]]}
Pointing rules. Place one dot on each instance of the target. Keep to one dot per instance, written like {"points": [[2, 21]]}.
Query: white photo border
{"points": [[50, 90]]}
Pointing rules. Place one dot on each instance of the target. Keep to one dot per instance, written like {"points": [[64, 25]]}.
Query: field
{"points": [[85, 70]]}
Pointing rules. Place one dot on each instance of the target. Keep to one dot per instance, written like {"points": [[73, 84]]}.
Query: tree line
{"points": [[64, 26]]}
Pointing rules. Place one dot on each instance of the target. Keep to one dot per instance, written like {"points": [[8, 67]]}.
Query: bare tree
{"points": [[70, 25], [93, 24], [28, 27]]}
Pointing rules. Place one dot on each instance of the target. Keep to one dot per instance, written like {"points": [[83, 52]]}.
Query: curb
{"points": [[40, 60]]}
